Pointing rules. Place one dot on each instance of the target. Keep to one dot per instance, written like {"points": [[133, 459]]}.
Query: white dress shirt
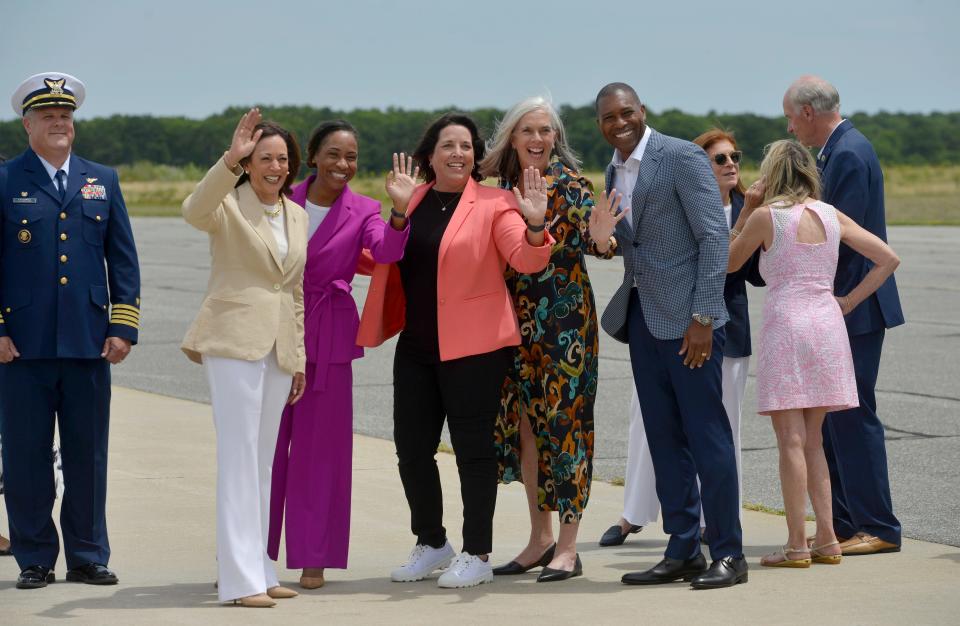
{"points": [[625, 174]]}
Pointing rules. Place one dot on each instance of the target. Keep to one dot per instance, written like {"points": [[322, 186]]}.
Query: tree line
{"points": [[899, 138]]}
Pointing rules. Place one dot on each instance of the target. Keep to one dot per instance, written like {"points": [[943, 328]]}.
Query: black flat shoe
{"points": [[725, 572], [92, 574], [512, 568], [549, 575], [614, 536], [667, 571], [35, 577]]}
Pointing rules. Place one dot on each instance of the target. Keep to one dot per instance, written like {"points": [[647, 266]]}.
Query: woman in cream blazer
{"points": [[249, 337]]}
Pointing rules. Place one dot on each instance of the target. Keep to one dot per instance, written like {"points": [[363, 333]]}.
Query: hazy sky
{"points": [[193, 58]]}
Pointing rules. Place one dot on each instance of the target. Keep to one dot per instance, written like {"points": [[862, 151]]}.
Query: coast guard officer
{"points": [[70, 306]]}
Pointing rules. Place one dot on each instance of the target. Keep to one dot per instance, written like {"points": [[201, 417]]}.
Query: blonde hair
{"points": [[789, 173], [502, 160]]}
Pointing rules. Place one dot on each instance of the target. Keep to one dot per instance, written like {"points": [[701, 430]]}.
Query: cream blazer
{"points": [[253, 301]]}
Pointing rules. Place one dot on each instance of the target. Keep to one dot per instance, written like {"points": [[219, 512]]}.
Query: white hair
{"points": [[816, 92], [502, 160]]}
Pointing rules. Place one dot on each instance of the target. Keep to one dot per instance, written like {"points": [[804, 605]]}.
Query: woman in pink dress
{"points": [[313, 460], [804, 368]]}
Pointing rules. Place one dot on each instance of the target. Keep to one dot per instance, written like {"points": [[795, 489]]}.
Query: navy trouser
{"points": [[75, 393], [857, 455], [689, 434]]}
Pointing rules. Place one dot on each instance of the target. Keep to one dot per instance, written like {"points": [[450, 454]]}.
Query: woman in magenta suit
{"points": [[313, 461]]}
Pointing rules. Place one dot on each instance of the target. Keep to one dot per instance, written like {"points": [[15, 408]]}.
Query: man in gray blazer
{"points": [[670, 311]]}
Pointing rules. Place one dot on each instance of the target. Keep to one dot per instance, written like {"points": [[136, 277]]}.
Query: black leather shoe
{"points": [[549, 575], [513, 567], [615, 536], [667, 571], [92, 574], [35, 577], [725, 572]]}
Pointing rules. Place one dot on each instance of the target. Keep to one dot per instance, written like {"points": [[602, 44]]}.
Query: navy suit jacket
{"points": [[69, 275], [853, 183], [735, 294]]}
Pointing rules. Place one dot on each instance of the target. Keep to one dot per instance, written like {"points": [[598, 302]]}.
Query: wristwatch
{"points": [[703, 320]]}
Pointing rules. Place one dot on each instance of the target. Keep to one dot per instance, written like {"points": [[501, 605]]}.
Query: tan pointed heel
{"points": [[818, 556], [788, 562], [281, 593], [259, 601], [312, 582]]}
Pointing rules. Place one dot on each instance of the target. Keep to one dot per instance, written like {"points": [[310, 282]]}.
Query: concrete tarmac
{"points": [[161, 512], [918, 392]]}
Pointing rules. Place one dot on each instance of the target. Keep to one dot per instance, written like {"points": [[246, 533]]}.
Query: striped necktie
{"points": [[62, 184]]}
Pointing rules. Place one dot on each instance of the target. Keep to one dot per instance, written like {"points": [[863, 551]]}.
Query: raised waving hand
{"points": [[533, 201], [604, 217], [401, 181], [244, 138]]}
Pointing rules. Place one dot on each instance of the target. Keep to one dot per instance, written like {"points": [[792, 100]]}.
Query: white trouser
{"points": [[640, 504], [248, 398]]}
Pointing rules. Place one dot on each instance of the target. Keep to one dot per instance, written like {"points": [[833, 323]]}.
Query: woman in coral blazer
{"points": [[457, 320], [313, 463], [249, 337]]}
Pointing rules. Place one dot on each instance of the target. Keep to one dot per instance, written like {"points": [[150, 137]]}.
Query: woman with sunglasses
{"points": [[640, 506]]}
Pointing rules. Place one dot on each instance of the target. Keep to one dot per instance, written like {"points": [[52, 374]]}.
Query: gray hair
{"points": [[816, 92], [502, 160]]}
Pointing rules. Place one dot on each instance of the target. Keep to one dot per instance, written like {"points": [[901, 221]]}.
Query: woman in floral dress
{"points": [[544, 432]]}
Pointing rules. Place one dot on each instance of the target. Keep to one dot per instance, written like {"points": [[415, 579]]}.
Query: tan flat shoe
{"points": [[311, 582], [864, 543], [259, 601], [281, 593]]}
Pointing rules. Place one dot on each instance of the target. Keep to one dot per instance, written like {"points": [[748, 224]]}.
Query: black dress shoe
{"points": [[725, 572], [92, 574], [615, 536], [667, 571], [35, 577], [513, 567], [549, 575]]}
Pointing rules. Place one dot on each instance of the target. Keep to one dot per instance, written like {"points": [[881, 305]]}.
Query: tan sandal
{"points": [[817, 555], [788, 562]]}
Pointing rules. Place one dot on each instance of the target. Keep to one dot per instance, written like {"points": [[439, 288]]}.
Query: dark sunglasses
{"points": [[721, 159]]}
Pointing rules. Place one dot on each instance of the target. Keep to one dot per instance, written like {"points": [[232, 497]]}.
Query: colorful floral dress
{"points": [[553, 382]]}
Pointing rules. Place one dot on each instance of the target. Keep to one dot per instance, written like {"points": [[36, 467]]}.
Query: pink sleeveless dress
{"points": [[804, 358]]}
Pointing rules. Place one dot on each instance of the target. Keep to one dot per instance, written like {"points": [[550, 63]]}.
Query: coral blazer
{"points": [[253, 301], [475, 312]]}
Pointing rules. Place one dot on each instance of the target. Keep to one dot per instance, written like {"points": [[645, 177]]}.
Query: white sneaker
{"points": [[422, 561], [467, 570]]}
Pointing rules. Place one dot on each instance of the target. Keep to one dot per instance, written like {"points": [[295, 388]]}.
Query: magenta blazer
{"points": [[331, 320]]}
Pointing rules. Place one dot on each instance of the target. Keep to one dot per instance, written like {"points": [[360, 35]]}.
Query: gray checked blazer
{"points": [[675, 251]]}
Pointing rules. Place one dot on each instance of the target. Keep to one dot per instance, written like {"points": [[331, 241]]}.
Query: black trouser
{"points": [[467, 393]]}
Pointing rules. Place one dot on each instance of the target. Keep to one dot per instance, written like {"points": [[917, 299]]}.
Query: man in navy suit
{"points": [[853, 439], [669, 308], [69, 308]]}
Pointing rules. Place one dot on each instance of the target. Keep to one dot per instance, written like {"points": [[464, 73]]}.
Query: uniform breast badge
{"points": [[23, 199], [24, 236], [93, 192]]}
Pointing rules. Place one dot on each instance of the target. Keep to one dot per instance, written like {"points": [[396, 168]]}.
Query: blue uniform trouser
{"points": [[689, 434], [75, 393], [857, 455]]}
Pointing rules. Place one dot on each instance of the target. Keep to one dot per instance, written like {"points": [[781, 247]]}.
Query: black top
{"points": [[418, 273], [735, 294]]}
